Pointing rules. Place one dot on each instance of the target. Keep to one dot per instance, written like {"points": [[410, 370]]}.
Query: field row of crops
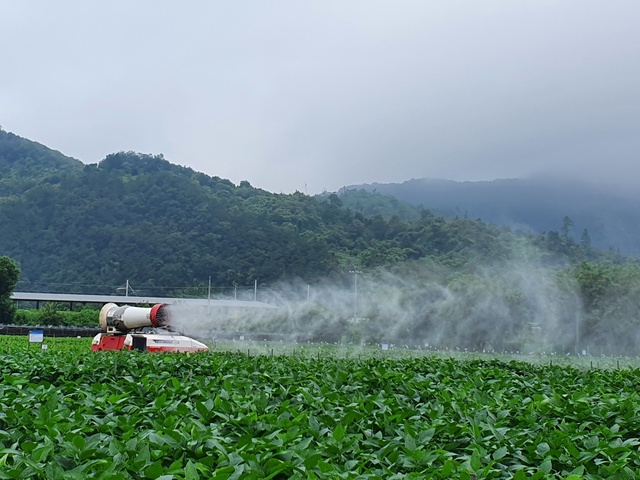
{"points": [[70, 413]]}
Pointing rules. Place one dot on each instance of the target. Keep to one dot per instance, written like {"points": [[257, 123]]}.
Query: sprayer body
{"points": [[127, 318], [146, 329]]}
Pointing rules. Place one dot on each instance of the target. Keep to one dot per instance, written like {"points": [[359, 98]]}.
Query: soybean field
{"points": [[67, 412]]}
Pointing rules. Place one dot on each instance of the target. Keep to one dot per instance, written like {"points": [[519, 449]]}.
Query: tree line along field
{"points": [[68, 412]]}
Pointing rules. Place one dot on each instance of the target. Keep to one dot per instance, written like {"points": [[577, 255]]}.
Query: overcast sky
{"points": [[315, 95]]}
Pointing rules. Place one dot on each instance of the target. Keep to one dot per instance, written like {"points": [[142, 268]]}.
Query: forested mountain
{"points": [[142, 218], [611, 218], [167, 229], [371, 204], [25, 164]]}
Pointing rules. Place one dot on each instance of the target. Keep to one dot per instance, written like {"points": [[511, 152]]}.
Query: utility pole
{"points": [[126, 289], [355, 293], [577, 333]]}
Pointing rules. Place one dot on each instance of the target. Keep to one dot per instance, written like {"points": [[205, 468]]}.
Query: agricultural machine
{"points": [[146, 329]]}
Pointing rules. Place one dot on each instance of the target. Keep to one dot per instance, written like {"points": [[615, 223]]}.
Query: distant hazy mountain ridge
{"points": [[612, 219]]}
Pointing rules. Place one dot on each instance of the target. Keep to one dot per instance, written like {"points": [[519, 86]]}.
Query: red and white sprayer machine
{"points": [[146, 329]]}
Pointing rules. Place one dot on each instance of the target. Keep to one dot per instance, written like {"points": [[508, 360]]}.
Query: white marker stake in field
{"points": [[36, 336]]}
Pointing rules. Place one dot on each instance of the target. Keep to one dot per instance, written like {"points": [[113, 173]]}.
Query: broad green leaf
{"points": [[500, 453], [191, 472], [154, 470], [338, 432], [545, 466], [520, 475], [28, 447], [543, 448], [410, 443], [79, 442], [475, 461]]}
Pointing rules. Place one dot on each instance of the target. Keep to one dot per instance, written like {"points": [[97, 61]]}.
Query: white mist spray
{"points": [[509, 306]]}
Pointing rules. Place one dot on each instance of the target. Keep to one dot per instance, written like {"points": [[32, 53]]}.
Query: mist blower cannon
{"points": [[146, 329]]}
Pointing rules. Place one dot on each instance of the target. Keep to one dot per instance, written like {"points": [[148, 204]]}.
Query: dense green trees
{"points": [[140, 218], [438, 281], [166, 228], [25, 164], [9, 275], [610, 295]]}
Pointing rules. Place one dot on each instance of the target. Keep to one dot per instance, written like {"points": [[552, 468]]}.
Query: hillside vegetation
{"points": [[141, 218], [424, 278], [25, 164]]}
